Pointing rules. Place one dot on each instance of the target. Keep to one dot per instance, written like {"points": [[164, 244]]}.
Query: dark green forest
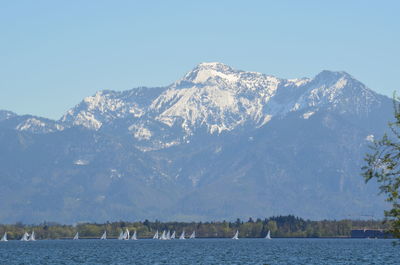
{"points": [[280, 226]]}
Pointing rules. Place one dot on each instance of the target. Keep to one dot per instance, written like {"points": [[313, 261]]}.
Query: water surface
{"points": [[201, 251]]}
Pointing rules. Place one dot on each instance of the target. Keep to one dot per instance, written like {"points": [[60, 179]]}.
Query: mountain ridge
{"points": [[217, 143], [106, 105]]}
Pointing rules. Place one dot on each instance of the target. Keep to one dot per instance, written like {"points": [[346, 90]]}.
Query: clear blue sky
{"points": [[54, 53]]}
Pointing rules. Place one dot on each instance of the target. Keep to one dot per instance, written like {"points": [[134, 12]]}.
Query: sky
{"points": [[54, 53]]}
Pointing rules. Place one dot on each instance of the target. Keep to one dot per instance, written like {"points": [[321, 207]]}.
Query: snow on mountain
{"points": [[28, 123], [338, 90], [106, 106], [39, 125], [218, 135], [218, 97]]}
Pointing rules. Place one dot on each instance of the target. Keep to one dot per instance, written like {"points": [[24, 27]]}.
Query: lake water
{"points": [[201, 251]]}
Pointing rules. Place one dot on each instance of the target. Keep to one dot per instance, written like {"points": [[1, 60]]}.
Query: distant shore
{"points": [[280, 227]]}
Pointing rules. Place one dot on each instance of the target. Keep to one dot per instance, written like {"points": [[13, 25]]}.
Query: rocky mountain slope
{"points": [[217, 144]]}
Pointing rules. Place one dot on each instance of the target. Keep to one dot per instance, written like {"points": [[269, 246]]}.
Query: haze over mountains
{"points": [[217, 144]]}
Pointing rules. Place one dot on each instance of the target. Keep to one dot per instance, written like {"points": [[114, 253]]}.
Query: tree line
{"points": [[280, 226]]}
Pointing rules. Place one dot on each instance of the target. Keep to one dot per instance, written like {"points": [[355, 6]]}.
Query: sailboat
{"points": [[182, 235], [134, 236], [163, 236], [268, 235], [168, 236], [236, 236], [126, 234], [32, 236], [76, 237], [193, 235], [121, 235], [104, 236], [173, 235], [155, 235], [4, 238], [25, 237]]}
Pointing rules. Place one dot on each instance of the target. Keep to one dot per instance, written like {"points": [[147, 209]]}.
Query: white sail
{"points": [[268, 235], [126, 235], [32, 236], [168, 236], [155, 235], [163, 236], [236, 236], [76, 237], [104, 236], [121, 235], [4, 238], [173, 235], [182, 235], [134, 237], [193, 235], [25, 237]]}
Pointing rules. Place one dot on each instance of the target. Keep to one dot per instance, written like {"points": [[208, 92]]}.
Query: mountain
{"points": [[217, 144]]}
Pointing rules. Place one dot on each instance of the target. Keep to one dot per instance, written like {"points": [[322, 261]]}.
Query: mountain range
{"points": [[218, 143]]}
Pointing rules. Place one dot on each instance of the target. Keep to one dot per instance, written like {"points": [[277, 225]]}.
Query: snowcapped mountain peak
{"points": [[214, 65], [339, 82], [338, 90], [330, 73], [227, 78], [205, 72], [330, 77], [104, 106], [38, 125], [220, 98]]}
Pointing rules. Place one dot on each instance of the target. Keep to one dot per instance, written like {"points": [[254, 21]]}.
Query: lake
{"points": [[201, 251]]}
